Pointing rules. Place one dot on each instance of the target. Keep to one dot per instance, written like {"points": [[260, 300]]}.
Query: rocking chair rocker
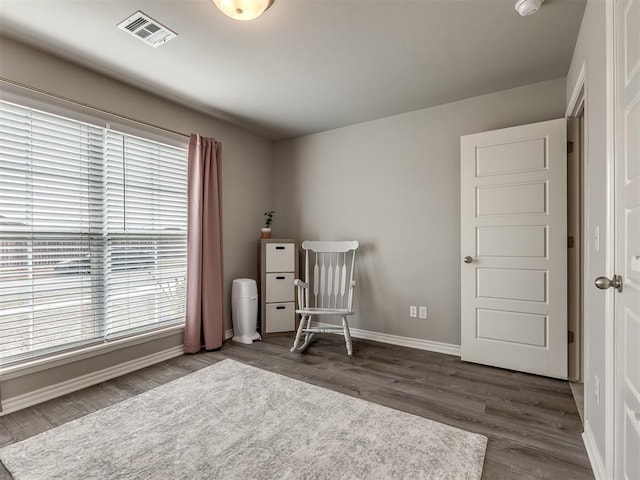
{"points": [[327, 289]]}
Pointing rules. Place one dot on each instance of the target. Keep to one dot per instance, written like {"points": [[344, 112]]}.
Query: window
{"points": [[92, 233]]}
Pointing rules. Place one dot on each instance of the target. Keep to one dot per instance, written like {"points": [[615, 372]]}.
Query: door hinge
{"points": [[569, 147], [570, 242], [572, 337]]}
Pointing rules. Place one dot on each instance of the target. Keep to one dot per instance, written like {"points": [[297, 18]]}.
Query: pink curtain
{"points": [[204, 322]]}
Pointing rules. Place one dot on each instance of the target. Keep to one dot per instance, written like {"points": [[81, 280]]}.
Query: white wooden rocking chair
{"points": [[327, 289]]}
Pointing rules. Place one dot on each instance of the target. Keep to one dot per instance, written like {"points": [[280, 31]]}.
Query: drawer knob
{"points": [[279, 248], [280, 307], [280, 278]]}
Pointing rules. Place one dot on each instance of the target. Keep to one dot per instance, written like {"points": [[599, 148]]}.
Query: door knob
{"points": [[468, 259], [603, 283]]}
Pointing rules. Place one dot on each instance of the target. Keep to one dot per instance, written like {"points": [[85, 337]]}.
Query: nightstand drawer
{"points": [[280, 257], [281, 317], [279, 287]]}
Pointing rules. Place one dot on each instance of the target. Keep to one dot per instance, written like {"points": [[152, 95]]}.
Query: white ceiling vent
{"points": [[147, 29]]}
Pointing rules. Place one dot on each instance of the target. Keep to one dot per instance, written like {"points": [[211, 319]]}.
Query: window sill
{"points": [[29, 367]]}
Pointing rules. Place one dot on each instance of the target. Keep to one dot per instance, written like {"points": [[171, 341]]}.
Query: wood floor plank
{"points": [[532, 423]]}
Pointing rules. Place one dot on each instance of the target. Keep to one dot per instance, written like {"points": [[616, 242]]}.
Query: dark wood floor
{"points": [[532, 422]]}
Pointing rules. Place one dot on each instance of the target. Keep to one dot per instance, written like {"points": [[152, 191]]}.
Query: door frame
{"points": [[603, 463], [575, 227], [577, 103]]}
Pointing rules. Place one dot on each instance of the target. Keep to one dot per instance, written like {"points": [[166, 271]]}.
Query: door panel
{"points": [[627, 302], [512, 284], [520, 199], [530, 242], [514, 327], [631, 435], [513, 226], [512, 157]]}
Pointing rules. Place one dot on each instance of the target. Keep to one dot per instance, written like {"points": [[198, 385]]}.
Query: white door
{"points": [[514, 248], [627, 302]]}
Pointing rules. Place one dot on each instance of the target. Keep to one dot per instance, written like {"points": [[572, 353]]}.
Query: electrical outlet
{"points": [[596, 388], [422, 312], [413, 311]]}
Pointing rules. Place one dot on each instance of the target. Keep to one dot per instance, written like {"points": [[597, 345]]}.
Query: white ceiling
{"points": [[310, 65]]}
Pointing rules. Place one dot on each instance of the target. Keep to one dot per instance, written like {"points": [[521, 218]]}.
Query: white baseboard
{"points": [[417, 343], [228, 334], [68, 386], [592, 452]]}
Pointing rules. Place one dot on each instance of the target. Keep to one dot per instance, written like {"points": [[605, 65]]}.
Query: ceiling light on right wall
{"points": [[528, 7]]}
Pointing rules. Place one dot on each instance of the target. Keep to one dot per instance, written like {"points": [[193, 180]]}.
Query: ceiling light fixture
{"points": [[243, 9], [528, 7]]}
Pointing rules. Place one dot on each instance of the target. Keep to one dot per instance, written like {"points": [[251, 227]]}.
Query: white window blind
{"points": [[92, 233], [145, 233]]}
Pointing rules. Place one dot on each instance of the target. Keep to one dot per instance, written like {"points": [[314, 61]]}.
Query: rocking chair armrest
{"points": [[350, 298], [303, 292]]}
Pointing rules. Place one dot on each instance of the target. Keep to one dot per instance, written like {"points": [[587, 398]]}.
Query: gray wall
{"points": [[394, 185], [247, 165], [26, 384], [590, 51]]}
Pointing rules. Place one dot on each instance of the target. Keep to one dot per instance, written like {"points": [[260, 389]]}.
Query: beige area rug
{"points": [[233, 421]]}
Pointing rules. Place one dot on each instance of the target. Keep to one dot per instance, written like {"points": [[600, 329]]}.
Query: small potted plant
{"points": [[268, 220]]}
